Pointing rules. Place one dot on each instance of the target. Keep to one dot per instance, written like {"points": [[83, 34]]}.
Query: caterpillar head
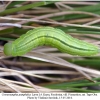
{"points": [[8, 49]]}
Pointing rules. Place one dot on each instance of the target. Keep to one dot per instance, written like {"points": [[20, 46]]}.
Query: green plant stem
{"points": [[83, 90], [25, 7]]}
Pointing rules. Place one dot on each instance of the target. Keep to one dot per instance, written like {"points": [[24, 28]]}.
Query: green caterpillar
{"points": [[52, 37]]}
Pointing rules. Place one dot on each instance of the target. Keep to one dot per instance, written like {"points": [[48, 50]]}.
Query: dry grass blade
{"points": [[8, 3], [92, 22], [57, 23], [22, 83], [46, 66], [52, 72], [24, 87], [28, 89], [66, 13], [34, 75], [56, 60], [10, 24], [60, 6], [29, 64], [29, 82], [79, 2], [10, 85]]}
